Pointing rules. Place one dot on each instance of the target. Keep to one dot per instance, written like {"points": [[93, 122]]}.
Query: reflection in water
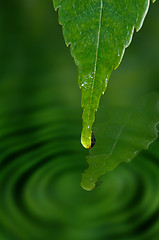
{"points": [[122, 136], [41, 158], [41, 195]]}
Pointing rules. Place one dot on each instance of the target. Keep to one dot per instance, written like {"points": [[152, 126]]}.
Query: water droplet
{"points": [[88, 127], [93, 140], [82, 84], [103, 93]]}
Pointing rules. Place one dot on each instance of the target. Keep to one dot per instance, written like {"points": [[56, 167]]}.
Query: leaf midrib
{"points": [[96, 58]]}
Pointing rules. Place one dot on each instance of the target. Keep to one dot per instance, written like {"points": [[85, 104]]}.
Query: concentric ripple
{"points": [[41, 198]]}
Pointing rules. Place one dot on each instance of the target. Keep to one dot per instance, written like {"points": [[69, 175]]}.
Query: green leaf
{"points": [[124, 134], [98, 31]]}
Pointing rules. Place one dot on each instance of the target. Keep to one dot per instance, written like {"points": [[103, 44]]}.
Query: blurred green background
{"points": [[41, 158]]}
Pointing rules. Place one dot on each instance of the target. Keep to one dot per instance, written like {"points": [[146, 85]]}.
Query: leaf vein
{"points": [[96, 58]]}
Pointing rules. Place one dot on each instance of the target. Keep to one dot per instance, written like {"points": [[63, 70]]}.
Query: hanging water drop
{"points": [[93, 140]]}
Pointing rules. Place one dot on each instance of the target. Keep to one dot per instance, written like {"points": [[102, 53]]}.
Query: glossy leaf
{"points": [[124, 134], [98, 32]]}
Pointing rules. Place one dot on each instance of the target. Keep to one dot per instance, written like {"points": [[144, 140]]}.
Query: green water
{"points": [[41, 157]]}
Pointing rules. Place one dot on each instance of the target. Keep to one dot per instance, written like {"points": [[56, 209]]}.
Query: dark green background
{"points": [[41, 158]]}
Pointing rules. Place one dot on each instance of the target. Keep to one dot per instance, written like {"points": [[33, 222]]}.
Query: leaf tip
{"points": [[87, 184], [87, 139], [86, 142]]}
